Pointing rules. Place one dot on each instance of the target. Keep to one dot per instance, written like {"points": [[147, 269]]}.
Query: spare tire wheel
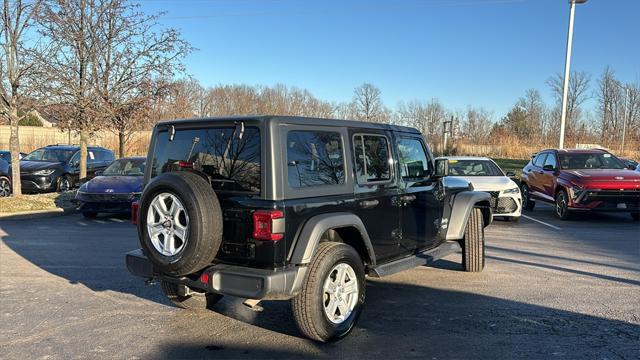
{"points": [[180, 224]]}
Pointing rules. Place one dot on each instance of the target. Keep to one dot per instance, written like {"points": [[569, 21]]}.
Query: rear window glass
{"points": [[231, 162], [314, 158]]}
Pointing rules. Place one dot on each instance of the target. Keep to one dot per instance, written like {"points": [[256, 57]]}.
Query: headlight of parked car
{"points": [[514, 190], [44, 172]]}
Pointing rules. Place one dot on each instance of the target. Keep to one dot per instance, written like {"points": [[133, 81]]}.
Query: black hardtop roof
{"points": [[294, 120], [71, 147]]}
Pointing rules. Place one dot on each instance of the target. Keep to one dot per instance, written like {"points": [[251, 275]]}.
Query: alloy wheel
{"points": [[340, 293], [64, 184], [5, 188], [167, 224], [561, 204]]}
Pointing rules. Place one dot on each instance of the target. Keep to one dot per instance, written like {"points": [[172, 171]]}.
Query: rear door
{"points": [[376, 191], [419, 200]]}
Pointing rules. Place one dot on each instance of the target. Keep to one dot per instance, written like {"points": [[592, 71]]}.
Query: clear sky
{"points": [[463, 52]]}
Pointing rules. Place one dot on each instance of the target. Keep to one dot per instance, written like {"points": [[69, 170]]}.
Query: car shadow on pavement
{"points": [[399, 319], [402, 320]]}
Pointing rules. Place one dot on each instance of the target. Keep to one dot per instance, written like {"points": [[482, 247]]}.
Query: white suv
{"points": [[486, 175]]}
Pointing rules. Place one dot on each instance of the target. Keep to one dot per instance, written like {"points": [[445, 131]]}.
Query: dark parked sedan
{"points": [[6, 155], [113, 190]]}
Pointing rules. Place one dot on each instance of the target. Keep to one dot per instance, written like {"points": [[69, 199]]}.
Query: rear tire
{"points": [[473, 243], [190, 302], [312, 307], [527, 203], [562, 207]]}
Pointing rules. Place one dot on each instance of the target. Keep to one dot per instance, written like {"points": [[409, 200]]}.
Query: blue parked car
{"points": [[113, 190]]}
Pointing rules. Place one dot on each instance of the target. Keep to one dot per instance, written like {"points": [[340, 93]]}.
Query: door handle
{"points": [[368, 204], [540, 172]]}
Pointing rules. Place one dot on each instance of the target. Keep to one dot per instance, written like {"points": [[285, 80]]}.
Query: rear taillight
{"points": [[135, 207], [268, 225]]}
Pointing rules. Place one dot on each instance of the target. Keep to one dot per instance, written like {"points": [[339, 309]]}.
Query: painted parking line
{"points": [[541, 222]]}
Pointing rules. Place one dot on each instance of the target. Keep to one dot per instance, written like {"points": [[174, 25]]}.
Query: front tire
{"points": [[527, 203], [562, 205], [196, 302], [5, 187], [65, 183], [473, 243], [331, 300]]}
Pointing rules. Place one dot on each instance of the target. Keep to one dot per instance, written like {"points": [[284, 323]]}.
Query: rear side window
{"points": [[372, 158], [413, 159], [314, 158], [231, 162]]}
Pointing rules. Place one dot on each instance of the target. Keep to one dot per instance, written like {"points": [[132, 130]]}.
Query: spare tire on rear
{"points": [[180, 224]]}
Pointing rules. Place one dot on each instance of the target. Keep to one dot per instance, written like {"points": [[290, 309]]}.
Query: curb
{"points": [[38, 214]]}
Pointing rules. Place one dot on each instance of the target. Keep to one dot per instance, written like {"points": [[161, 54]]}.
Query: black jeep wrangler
{"points": [[278, 208]]}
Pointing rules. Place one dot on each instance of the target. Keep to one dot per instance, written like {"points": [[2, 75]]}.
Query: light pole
{"points": [[567, 67]]}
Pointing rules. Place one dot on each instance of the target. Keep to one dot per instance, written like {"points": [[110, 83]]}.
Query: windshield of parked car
{"points": [[50, 155], [590, 161], [473, 168], [125, 167]]}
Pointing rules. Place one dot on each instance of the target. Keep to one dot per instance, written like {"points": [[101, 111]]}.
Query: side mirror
{"points": [[442, 167], [548, 168], [99, 173], [511, 174]]}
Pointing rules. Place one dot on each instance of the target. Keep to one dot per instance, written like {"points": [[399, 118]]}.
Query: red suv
{"points": [[581, 180]]}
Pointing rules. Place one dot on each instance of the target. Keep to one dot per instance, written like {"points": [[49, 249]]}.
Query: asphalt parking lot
{"points": [[551, 289]]}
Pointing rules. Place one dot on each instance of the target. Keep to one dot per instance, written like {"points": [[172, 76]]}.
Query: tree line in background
{"points": [[103, 64]]}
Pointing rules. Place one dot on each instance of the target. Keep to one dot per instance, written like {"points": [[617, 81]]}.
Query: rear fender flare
{"points": [[314, 228]]}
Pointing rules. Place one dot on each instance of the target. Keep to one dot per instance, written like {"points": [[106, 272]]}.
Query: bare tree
{"points": [[577, 95], [367, 104], [70, 27], [15, 67], [424, 116], [132, 53], [477, 125]]}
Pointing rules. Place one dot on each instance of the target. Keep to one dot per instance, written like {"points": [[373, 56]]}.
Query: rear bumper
{"points": [[250, 283]]}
